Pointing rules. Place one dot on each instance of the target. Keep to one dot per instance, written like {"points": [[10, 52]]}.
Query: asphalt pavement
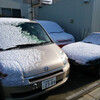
{"points": [[79, 86]]}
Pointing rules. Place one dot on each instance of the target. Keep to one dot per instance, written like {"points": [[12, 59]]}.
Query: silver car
{"points": [[30, 62]]}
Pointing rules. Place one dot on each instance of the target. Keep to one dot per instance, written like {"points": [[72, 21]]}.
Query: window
{"points": [[16, 13], [8, 12]]}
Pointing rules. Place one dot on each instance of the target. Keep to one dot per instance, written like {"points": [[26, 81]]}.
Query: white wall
{"points": [[96, 16], [16, 4]]}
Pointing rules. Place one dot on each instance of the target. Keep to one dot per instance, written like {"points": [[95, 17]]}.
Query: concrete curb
{"points": [[84, 91]]}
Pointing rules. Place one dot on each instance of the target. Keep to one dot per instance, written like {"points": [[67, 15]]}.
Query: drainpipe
{"points": [[31, 10], [33, 6]]}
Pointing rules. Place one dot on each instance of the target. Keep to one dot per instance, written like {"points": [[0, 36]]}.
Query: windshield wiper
{"points": [[31, 45], [1, 49], [27, 45]]}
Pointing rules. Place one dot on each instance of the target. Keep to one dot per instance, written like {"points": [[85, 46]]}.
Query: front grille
{"points": [[48, 75], [38, 90]]}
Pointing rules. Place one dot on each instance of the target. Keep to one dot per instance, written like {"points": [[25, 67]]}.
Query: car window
{"points": [[12, 34]]}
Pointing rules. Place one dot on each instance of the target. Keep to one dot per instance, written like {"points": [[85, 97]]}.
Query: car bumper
{"points": [[27, 92], [80, 66], [92, 69]]}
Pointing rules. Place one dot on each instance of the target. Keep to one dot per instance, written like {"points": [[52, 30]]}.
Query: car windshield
{"points": [[13, 34], [93, 38]]}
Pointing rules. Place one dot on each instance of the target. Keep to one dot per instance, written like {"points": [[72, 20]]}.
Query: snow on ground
{"points": [[18, 64], [82, 52]]}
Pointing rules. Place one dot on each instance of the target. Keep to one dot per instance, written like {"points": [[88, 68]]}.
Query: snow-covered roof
{"points": [[12, 20]]}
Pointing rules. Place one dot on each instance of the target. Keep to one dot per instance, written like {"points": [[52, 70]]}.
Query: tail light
{"points": [[60, 41], [68, 40], [62, 45]]}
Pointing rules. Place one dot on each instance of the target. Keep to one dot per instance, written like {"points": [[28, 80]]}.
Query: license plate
{"points": [[48, 83]]}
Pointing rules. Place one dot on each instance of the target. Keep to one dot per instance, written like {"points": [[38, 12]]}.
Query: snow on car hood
{"points": [[27, 59], [82, 52], [17, 64], [62, 36], [33, 60]]}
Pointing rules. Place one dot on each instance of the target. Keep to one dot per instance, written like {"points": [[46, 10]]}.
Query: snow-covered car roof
{"points": [[83, 52], [50, 26], [13, 20]]}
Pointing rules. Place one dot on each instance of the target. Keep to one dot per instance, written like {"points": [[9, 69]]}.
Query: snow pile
{"points": [[11, 35], [93, 38], [82, 52], [18, 64]]}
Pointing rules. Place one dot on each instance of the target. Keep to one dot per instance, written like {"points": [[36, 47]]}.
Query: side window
{"points": [[16, 13]]}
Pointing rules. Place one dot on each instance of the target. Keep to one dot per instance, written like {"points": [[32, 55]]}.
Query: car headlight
{"points": [[64, 58]]}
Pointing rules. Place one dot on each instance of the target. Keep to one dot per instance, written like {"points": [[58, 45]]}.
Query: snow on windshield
{"points": [[11, 35], [93, 38], [51, 26]]}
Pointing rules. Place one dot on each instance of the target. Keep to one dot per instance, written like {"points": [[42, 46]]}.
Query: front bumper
{"points": [[92, 68], [80, 66], [29, 91]]}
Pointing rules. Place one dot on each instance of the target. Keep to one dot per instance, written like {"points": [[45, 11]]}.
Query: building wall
{"points": [[96, 16], [73, 15], [15, 4]]}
